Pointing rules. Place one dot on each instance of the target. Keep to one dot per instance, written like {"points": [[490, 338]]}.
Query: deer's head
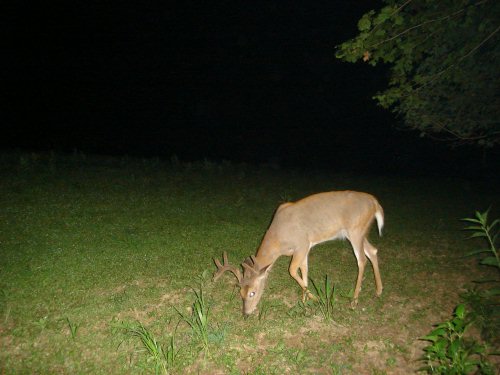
{"points": [[252, 281]]}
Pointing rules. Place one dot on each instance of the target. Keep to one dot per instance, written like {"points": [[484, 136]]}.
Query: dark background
{"points": [[244, 81]]}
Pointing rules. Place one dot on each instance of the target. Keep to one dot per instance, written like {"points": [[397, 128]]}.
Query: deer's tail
{"points": [[379, 216]]}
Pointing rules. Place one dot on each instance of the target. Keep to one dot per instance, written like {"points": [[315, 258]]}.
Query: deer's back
{"points": [[323, 216]]}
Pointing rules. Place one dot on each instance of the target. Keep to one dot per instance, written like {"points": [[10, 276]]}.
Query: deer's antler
{"points": [[221, 268], [250, 265]]}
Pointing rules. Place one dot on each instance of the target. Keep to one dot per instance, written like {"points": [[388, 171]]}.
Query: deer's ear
{"points": [[264, 270]]}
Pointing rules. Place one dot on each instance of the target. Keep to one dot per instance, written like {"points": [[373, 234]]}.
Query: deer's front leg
{"points": [[299, 261]]}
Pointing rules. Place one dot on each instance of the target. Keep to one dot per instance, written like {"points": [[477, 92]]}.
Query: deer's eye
{"points": [[251, 294]]}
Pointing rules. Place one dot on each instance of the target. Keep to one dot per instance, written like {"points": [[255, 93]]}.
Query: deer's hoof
{"points": [[306, 295], [311, 296], [354, 303]]}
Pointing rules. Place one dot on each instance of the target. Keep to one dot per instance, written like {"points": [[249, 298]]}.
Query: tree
{"points": [[444, 61]]}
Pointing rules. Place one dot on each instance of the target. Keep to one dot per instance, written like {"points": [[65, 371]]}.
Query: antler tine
{"points": [[249, 265], [221, 268]]}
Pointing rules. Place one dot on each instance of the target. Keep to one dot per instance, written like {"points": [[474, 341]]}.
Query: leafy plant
{"points": [[325, 298], [484, 301], [484, 312], [162, 357], [481, 228], [450, 352], [198, 320], [73, 328]]}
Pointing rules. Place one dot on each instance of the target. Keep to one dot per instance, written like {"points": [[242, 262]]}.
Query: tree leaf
{"points": [[364, 23]]}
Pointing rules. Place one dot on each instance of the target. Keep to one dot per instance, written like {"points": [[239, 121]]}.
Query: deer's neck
{"points": [[268, 253]]}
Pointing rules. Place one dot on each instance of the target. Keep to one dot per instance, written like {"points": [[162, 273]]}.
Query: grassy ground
{"points": [[87, 244]]}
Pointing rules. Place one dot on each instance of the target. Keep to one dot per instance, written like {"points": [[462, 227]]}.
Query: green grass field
{"points": [[89, 245]]}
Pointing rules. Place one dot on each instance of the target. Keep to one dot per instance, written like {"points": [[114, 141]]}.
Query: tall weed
{"points": [[325, 298], [450, 351], [481, 228], [162, 357], [198, 319]]}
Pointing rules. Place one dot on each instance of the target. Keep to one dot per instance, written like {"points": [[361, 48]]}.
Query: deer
{"points": [[298, 226]]}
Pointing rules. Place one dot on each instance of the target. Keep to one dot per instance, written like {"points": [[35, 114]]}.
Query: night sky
{"points": [[244, 81]]}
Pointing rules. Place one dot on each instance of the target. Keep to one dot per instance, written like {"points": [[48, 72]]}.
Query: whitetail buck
{"points": [[297, 227]]}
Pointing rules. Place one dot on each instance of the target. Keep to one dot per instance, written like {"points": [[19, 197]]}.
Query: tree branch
{"points": [[392, 14], [421, 24], [438, 74]]}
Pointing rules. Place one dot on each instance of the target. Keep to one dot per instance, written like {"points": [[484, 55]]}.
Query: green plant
{"points": [[73, 328], [482, 228], [450, 352], [325, 298], [301, 308], [42, 323], [162, 357], [484, 312], [484, 300], [198, 320]]}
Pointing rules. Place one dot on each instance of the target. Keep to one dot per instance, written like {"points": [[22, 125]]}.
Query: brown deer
{"points": [[297, 227]]}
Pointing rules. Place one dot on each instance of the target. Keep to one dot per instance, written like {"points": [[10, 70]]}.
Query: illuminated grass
{"points": [[87, 241], [162, 357], [325, 298]]}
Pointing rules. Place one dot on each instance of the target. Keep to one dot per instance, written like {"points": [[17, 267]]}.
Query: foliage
{"points": [[163, 358], [485, 301], [450, 352], [443, 58], [482, 228], [484, 311], [73, 328], [198, 320], [325, 298]]}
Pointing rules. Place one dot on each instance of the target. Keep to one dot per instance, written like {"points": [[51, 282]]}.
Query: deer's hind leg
{"points": [[371, 253], [357, 245]]}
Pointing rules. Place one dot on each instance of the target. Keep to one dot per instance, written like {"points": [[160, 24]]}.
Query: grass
{"points": [[198, 320], [73, 328], [325, 298], [162, 357], [88, 241]]}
